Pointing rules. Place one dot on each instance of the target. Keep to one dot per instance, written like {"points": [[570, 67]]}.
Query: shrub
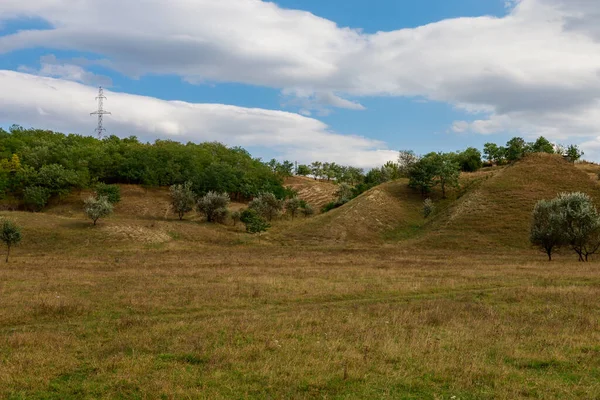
{"points": [[111, 192], [330, 206], [182, 199], [235, 217], [292, 206], [267, 205], [97, 207], [428, 208], [307, 210], [35, 198], [11, 235], [214, 206], [253, 221], [344, 193]]}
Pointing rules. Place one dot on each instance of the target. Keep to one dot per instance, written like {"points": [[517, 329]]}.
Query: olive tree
{"points": [[182, 199], [570, 219], [581, 223], [547, 230], [267, 205], [214, 206], [293, 205], [97, 207], [11, 235]]}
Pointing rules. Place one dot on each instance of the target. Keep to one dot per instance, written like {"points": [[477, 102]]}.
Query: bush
{"points": [[214, 206], [35, 198], [10, 235], [235, 217], [111, 192], [97, 207], [292, 206], [253, 221], [307, 210], [330, 206], [267, 205], [182, 199], [428, 208], [344, 193]]}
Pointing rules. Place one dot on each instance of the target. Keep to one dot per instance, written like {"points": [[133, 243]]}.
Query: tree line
{"points": [[36, 165]]}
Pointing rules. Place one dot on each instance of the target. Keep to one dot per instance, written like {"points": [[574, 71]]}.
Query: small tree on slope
{"points": [[547, 227], [214, 206], [567, 220], [97, 207], [11, 235], [182, 199]]}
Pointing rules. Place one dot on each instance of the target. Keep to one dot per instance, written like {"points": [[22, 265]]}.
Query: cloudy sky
{"points": [[347, 81]]}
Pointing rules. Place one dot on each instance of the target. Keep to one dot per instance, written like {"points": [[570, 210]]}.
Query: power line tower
{"points": [[100, 113]]}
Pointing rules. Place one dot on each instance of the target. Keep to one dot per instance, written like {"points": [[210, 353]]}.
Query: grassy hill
{"points": [[497, 212], [366, 219]]}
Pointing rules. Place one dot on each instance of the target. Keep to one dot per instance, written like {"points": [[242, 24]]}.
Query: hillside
{"points": [[388, 207], [316, 193], [498, 211]]}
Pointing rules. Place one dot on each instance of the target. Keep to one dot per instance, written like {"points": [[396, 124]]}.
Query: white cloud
{"points": [[54, 68], [533, 71], [65, 106]]}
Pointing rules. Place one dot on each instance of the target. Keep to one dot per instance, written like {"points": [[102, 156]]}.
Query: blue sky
{"points": [[432, 75]]}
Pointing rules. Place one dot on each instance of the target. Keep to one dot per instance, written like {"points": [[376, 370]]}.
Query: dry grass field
{"points": [[144, 306]]}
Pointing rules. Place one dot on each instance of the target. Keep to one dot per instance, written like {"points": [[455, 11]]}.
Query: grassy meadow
{"points": [[144, 306]]}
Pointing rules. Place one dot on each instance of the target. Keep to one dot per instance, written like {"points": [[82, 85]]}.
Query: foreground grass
{"points": [[263, 321]]}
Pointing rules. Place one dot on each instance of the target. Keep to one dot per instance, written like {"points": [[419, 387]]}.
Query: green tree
{"points": [[469, 160], [406, 160], [97, 207], [573, 153], [316, 168], [303, 170], [422, 175], [182, 198], [447, 171], [542, 145], [344, 193], [214, 206], [111, 192], [547, 227], [35, 198], [516, 148], [11, 235], [494, 153], [253, 221], [285, 169]]}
